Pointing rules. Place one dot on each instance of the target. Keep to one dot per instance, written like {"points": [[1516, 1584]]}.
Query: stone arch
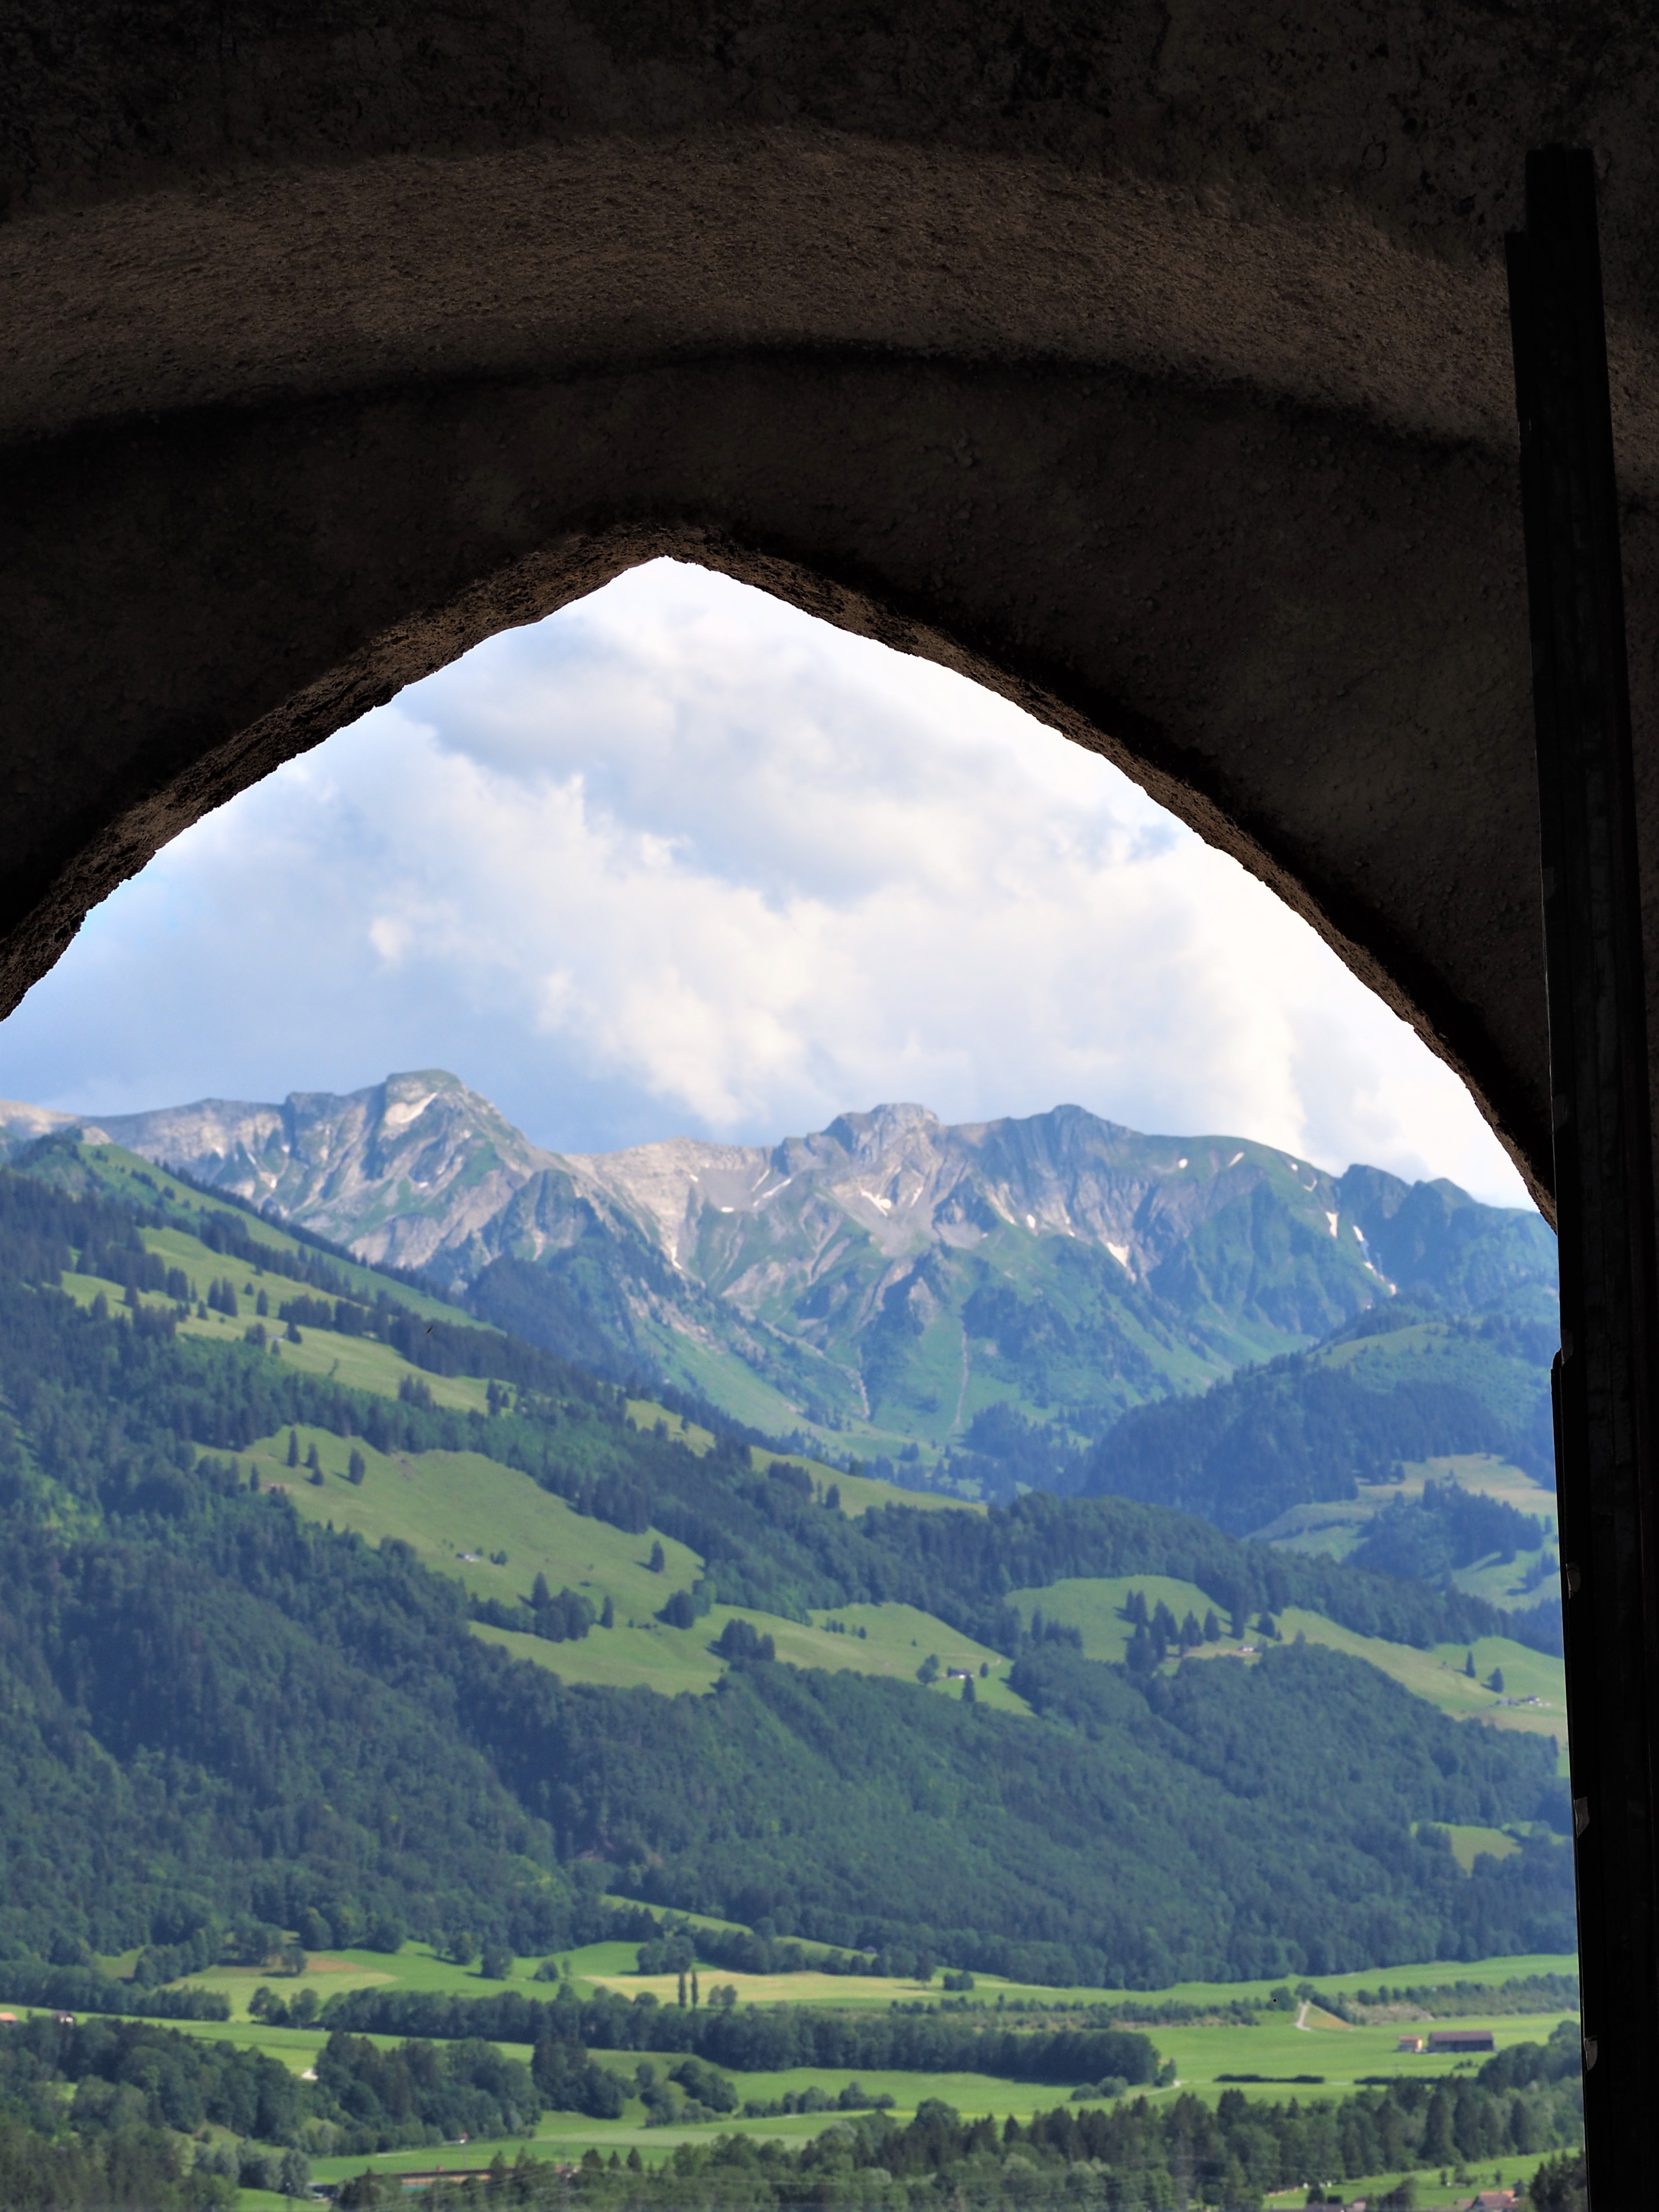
{"points": [[1195, 656], [1148, 363]]}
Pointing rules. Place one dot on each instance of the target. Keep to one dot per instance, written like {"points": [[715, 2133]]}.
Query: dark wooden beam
{"points": [[1604, 1377]]}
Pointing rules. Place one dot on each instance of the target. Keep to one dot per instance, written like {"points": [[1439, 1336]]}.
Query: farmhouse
{"points": [[1461, 2038]]}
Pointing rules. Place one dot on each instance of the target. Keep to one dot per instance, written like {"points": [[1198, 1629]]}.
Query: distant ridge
{"points": [[900, 1284]]}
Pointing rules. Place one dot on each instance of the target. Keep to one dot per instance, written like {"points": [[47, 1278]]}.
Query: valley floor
{"points": [[1299, 2053]]}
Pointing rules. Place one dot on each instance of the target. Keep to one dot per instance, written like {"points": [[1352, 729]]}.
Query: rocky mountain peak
{"points": [[885, 1130], [402, 1170]]}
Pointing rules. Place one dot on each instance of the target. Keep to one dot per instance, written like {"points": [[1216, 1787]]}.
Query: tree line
{"points": [[1117, 2157], [757, 2038]]}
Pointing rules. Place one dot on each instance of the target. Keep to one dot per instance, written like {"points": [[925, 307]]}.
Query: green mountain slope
{"points": [[224, 1709], [1344, 1424], [1140, 1848], [973, 1304]]}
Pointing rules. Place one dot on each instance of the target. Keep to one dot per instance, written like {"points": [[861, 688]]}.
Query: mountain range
{"points": [[977, 1303]]}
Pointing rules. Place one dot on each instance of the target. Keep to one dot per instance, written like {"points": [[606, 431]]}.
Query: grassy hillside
{"points": [[113, 1171], [1094, 1607], [611, 1966], [1506, 1565], [654, 1656], [1533, 1699], [460, 1512], [857, 1493], [1280, 1448], [1438, 1675]]}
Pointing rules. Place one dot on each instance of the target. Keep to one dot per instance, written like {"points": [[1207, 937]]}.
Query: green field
{"points": [[612, 1966], [1474, 1471], [1535, 1680], [651, 1656], [358, 1361], [1438, 1675], [1468, 1844], [1336, 1526], [456, 1509]]}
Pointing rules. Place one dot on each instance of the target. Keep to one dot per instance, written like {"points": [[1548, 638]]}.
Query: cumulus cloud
{"points": [[680, 858]]}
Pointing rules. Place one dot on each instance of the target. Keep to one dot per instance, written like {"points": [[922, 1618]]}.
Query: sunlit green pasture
{"points": [[1533, 1698], [612, 1966], [1275, 2046], [1335, 1526], [648, 1654], [848, 1992], [1094, 1606], [647, 1657], [1469, 1844], [456, 1509], [416, 1966], [896, 1640], [360, 1363]]}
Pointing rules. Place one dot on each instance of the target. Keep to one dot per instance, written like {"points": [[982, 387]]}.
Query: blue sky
{"points": [[679, 859]]}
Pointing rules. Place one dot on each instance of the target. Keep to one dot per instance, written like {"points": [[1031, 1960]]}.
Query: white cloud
{"points": [[680, 858]]}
